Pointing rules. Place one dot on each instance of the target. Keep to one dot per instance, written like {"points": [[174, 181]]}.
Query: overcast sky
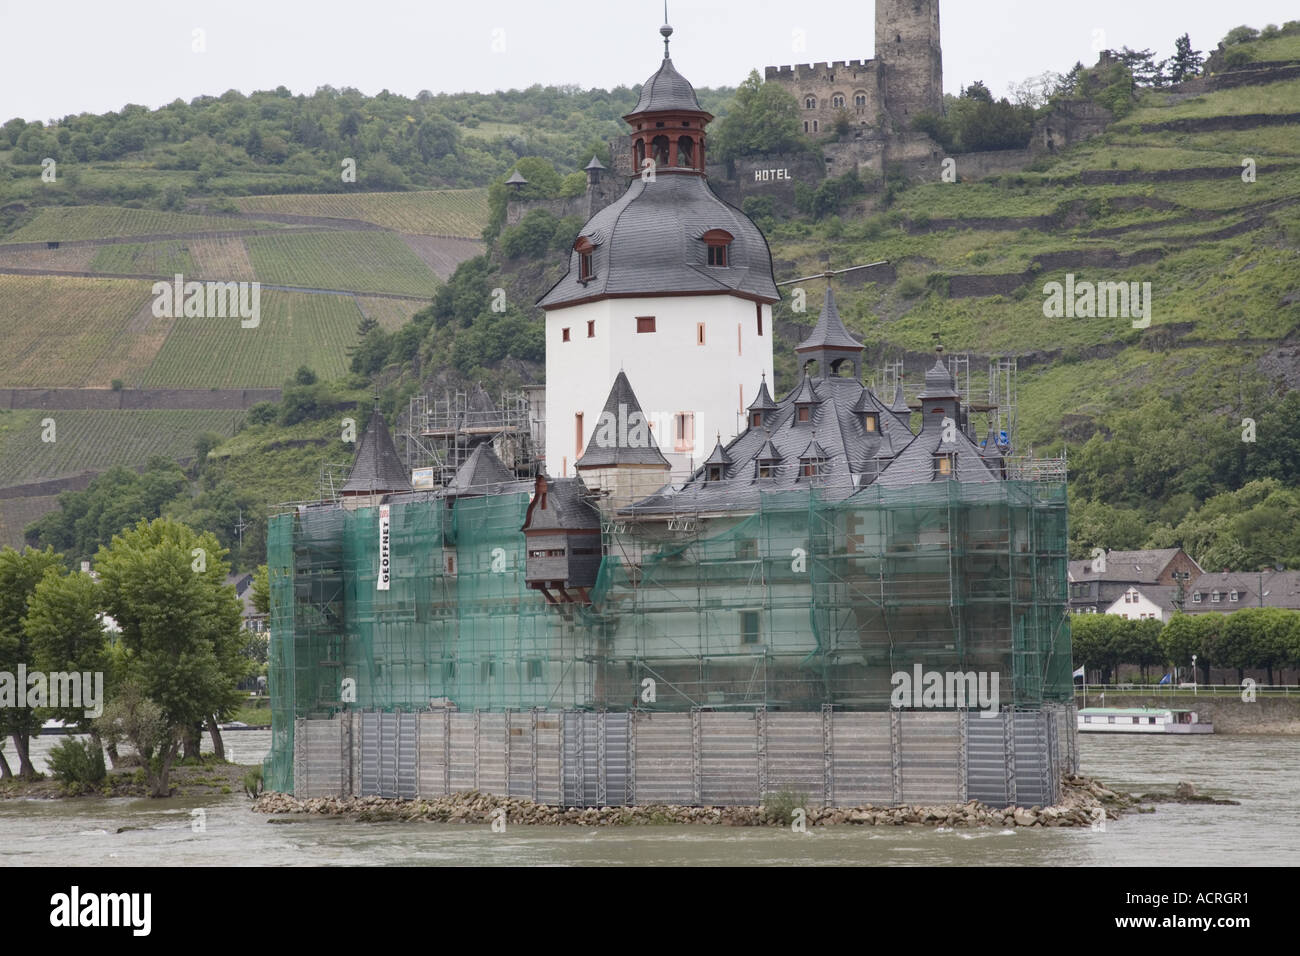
{"points": [[97, 55]]}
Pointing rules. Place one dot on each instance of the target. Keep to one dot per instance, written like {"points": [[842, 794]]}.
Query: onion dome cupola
{"points": [[669, 234], [830, 345], [760, 411], [376, 470], [715, 466], [668, 122]]}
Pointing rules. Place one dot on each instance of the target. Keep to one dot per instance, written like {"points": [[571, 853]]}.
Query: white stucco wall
{"points": [[668, 370], [1136, 611]]}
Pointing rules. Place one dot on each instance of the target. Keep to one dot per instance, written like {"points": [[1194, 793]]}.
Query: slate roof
{"points": [[376, 468], [1280, 589], [616, 437], [567, 508], [719, 455], [666, 90], [899, 404], [595, 163], [1161, 595], [915, 462], [481, 474], [829, 332], [649, 242], [763, 401], [835, 433], [1134, 567]]}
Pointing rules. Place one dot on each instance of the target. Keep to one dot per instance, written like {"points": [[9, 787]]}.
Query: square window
{"points": [[645, 323], [564, 335], [591, 328], [1214, 597], [1196, 598], [1232, 596], [749, 627], [717, 255]]}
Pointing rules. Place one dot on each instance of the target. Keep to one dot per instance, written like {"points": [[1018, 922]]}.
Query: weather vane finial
{"points": [[665, 31]]}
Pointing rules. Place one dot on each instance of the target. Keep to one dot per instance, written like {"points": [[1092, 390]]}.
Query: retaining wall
{"points": [[701, 758]]}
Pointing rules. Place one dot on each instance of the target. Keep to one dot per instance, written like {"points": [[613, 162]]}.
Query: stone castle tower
{"points": [[907, 44], [903, 80]]}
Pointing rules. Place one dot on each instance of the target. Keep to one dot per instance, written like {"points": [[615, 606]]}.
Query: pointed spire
{"points": [[622, 436], [719, 454], [666, 31], [899, 404], [376, 469], [763, 402], [829, 332], [807, 393]]}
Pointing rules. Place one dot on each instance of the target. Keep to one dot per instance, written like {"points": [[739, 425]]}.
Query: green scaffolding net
{"points": [[804, 603]]}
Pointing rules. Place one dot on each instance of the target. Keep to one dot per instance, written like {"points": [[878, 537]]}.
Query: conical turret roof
{"points": [[719, 455], [480, 473], [376, 469], [829, 332], [622, 436]]}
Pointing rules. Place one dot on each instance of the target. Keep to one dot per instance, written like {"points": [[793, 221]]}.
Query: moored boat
{"points": [[1141, 720]]}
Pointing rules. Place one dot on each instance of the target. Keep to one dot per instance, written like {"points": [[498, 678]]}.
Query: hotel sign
{"points": [[385, 566]]}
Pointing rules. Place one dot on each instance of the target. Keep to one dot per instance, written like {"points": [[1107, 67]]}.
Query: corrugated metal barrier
{"points": [[702, 758]]}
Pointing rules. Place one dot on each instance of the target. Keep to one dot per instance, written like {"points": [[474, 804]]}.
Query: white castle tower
{"points": [[669, 285]]}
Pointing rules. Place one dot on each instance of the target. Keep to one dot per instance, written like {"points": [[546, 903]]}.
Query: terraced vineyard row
{"points": [[104, 222], [441, 212], [295, 329], [146, 258], [359, 261], [96, 440], [70, 331]]}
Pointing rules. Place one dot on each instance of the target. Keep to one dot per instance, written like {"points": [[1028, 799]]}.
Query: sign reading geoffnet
{"points": [[385, 566]]}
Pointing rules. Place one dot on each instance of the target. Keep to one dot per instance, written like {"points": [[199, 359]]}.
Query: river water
{"points": [[1263, 773]]}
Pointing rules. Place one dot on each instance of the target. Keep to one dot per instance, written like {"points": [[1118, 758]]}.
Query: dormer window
{"points": [[586, 250], [804, 414], [1196, 598], [944, 465], [813, 469], [715, 473], [1232, 597], [718, 242], [766, 469], [1214, 597], [756, 420], [871, 421]]}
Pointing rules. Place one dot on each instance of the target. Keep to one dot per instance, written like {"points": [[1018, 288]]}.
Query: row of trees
{"points": [[171, 666], [1257, 638]]}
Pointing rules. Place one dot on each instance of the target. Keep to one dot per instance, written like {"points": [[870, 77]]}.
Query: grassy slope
{"points": [[1227, 290], [442, 212]]}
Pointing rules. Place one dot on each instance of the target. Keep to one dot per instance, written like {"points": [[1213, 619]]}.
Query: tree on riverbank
{"points": [[20, 572], [164, 585]]}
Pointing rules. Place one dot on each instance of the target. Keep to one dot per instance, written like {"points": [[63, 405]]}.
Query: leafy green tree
{"points": [[66, 633], [164, 585], [1094, 642], [261, 590], [20, 573], [763, 118]]}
